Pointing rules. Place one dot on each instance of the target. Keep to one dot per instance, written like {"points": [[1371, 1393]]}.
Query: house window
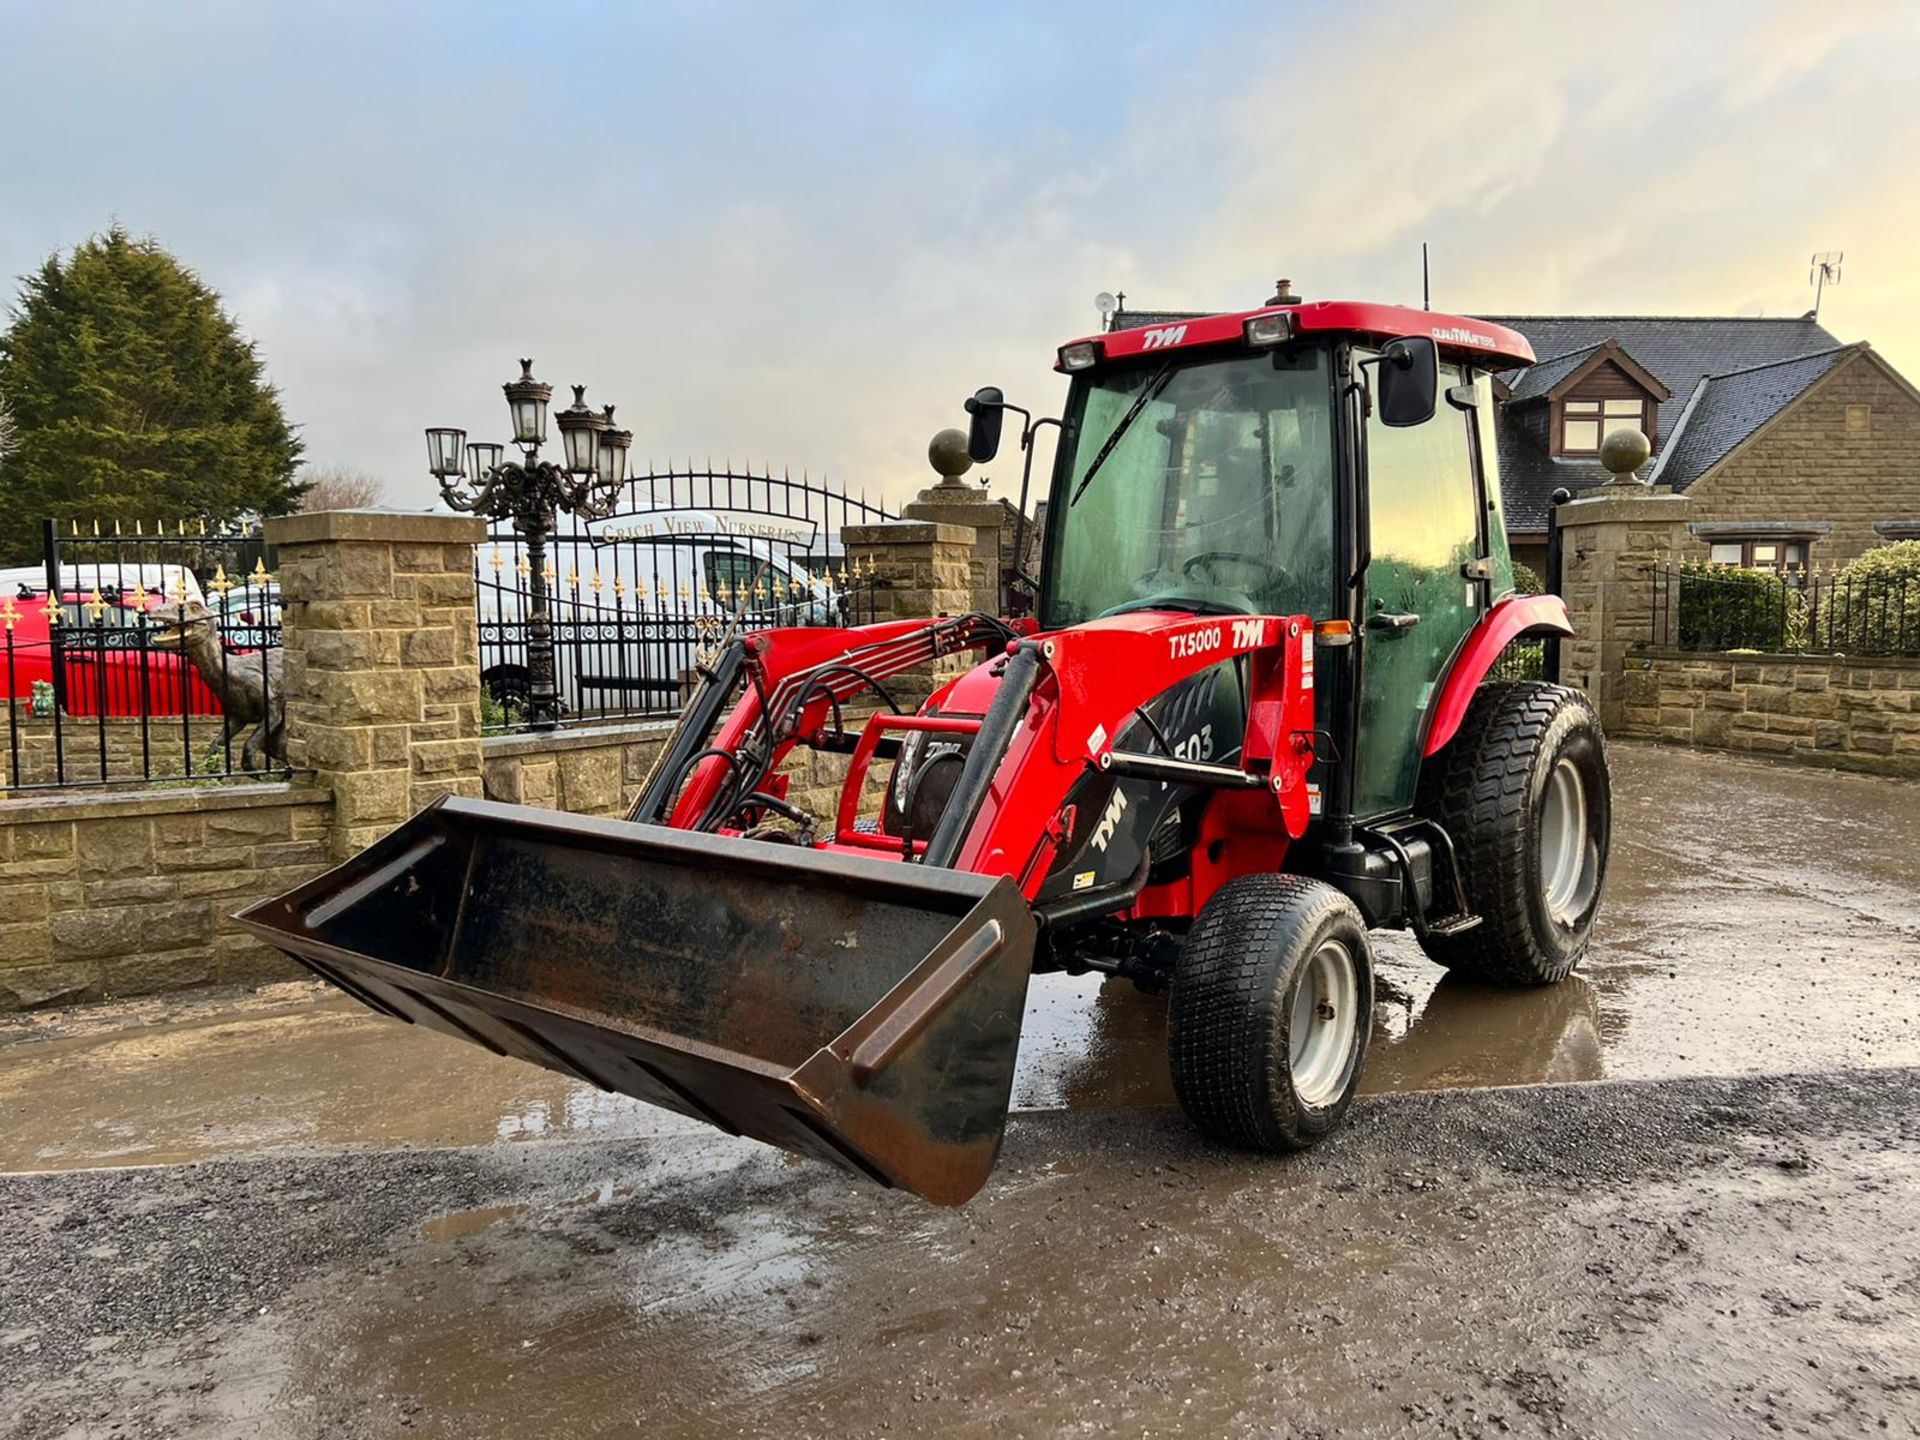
{"points": [[1783, 555], [1585, 423]]}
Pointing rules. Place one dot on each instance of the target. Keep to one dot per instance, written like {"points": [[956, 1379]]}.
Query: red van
{"points": [[110, 668]]}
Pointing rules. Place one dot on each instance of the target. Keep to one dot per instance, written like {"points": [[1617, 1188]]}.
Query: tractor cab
{"points": [[1332, 459]]}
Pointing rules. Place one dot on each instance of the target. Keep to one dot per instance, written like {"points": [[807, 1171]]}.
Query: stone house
{"points": [[1795, 449]]}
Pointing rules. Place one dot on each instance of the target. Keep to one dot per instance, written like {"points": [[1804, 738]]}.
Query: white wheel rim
{"points": [[1569, 860], [1322, 1024]]}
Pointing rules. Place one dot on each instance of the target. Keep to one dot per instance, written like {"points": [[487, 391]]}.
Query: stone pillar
{"points": [[1613, 539], [954, 502], [382, 661], [921, 569], [989, 523]]}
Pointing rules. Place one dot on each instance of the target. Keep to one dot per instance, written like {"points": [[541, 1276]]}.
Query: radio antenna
{"points": [[1825, 271], [1426, 288]]}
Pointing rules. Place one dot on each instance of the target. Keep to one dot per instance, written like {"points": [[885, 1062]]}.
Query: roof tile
{"points": [[1729, 408]]}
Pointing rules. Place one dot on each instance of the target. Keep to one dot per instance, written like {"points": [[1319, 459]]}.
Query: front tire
{"points": [[1271, 1009], [1523, 791]]}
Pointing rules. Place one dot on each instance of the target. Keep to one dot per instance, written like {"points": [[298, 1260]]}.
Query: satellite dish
{"points": [[1105, 303]]}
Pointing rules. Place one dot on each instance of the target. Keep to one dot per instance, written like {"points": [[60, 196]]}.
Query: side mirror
{"points": [[987, 407], [1409, 382]]}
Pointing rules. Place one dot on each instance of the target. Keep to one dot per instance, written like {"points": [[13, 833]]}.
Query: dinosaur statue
{"points": [[248, 684]]}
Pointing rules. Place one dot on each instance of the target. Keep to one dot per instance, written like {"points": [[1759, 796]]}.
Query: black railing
{"points": [[1718, 608], [639, 600], [130, 659]]}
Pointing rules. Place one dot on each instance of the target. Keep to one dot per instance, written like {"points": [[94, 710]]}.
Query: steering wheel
{"points": [[1208, 559]]}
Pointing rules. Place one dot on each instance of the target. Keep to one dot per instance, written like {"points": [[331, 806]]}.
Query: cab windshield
{"points": [[1216, 496]]}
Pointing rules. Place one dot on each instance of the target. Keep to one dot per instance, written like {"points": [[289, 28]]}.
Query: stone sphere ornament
{"points": [[947, 453], [1623, 452]]}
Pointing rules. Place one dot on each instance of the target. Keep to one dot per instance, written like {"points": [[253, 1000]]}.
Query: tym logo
{"points": [[1103, 832], [1249, 633], [1163, 337]]}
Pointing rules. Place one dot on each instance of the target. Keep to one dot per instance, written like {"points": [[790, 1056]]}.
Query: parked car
{"points": [[249, 615]]}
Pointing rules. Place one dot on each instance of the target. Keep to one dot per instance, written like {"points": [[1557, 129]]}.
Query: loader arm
{"points": [[1096, 679], [792, 684]]}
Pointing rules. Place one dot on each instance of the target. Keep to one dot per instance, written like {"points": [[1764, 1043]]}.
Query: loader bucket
{"points": [[864, 1012]]}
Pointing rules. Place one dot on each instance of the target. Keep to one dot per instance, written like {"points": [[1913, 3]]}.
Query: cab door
{"points": [[1424, 590]]}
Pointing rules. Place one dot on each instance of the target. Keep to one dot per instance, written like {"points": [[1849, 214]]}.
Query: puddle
{"points": [[1757, 918], [323, 1072], [462, 1223]]}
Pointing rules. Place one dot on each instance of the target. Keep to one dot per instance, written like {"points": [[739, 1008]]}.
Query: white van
{"points": [[629, 641]]}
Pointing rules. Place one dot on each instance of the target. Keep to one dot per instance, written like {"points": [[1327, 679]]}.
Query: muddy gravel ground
{"points": [[344, 1227], [1682, 1257]]}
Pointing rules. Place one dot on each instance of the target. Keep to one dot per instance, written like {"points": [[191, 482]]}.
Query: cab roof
{"points": [[1460, 338]]}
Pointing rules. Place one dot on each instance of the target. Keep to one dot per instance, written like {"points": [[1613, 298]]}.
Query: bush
{"points": [[497, 714], [1523, 659], [1525, 581], [1724, 608], [1872, 606]]}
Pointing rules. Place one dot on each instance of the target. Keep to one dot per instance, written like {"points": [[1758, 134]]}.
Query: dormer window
{"points": [[1585, 423]]}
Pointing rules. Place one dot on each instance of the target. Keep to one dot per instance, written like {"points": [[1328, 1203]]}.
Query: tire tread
{"points": [[1479, 792], [1221, 1018]]}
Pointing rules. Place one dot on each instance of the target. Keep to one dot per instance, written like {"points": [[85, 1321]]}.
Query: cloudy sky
{"points": [[801, 234]]}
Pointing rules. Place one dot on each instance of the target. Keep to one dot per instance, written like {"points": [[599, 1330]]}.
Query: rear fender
{"points": [[1506, 622]]}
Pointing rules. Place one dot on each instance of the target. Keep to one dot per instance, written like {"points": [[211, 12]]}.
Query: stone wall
{"points": [[1846, 455], [1853, 714], [124, 894], [921, 568], [82, 743], [992, 524], [597, 770]]}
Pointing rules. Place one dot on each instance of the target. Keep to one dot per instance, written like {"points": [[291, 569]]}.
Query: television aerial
{"points": [[1824, 271]]}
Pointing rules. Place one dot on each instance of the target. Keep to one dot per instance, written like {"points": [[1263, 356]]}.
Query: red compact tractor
{"points": [[1246, 726]]}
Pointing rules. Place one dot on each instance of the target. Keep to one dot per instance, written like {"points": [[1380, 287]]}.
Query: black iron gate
{"points": [[638, 599]]}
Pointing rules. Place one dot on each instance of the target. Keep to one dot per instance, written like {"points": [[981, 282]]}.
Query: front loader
{"points": [[1246, 725]]}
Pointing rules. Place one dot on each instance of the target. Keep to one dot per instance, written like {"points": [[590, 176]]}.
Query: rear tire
{"points": [[1271, 1010], [1522, 790]]}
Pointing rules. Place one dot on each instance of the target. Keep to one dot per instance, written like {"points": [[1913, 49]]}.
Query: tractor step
{"points": [[1452, 924]]}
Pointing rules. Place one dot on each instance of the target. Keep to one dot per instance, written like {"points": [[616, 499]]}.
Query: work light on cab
{"points": [[1269, 329], [1081, 355]]}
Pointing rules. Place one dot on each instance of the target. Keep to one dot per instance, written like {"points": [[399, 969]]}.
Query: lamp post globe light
{"points": [[476, 480]]}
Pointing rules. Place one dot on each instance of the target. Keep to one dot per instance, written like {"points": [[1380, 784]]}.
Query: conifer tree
{"points": [[130, 395]]}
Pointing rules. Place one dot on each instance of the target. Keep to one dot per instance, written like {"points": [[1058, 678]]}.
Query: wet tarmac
{"points": [[1672, 1258], [1758, 919], [381, 1238]]}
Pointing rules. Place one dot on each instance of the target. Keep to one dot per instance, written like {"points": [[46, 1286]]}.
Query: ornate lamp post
{"points": [[474, 479]]}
